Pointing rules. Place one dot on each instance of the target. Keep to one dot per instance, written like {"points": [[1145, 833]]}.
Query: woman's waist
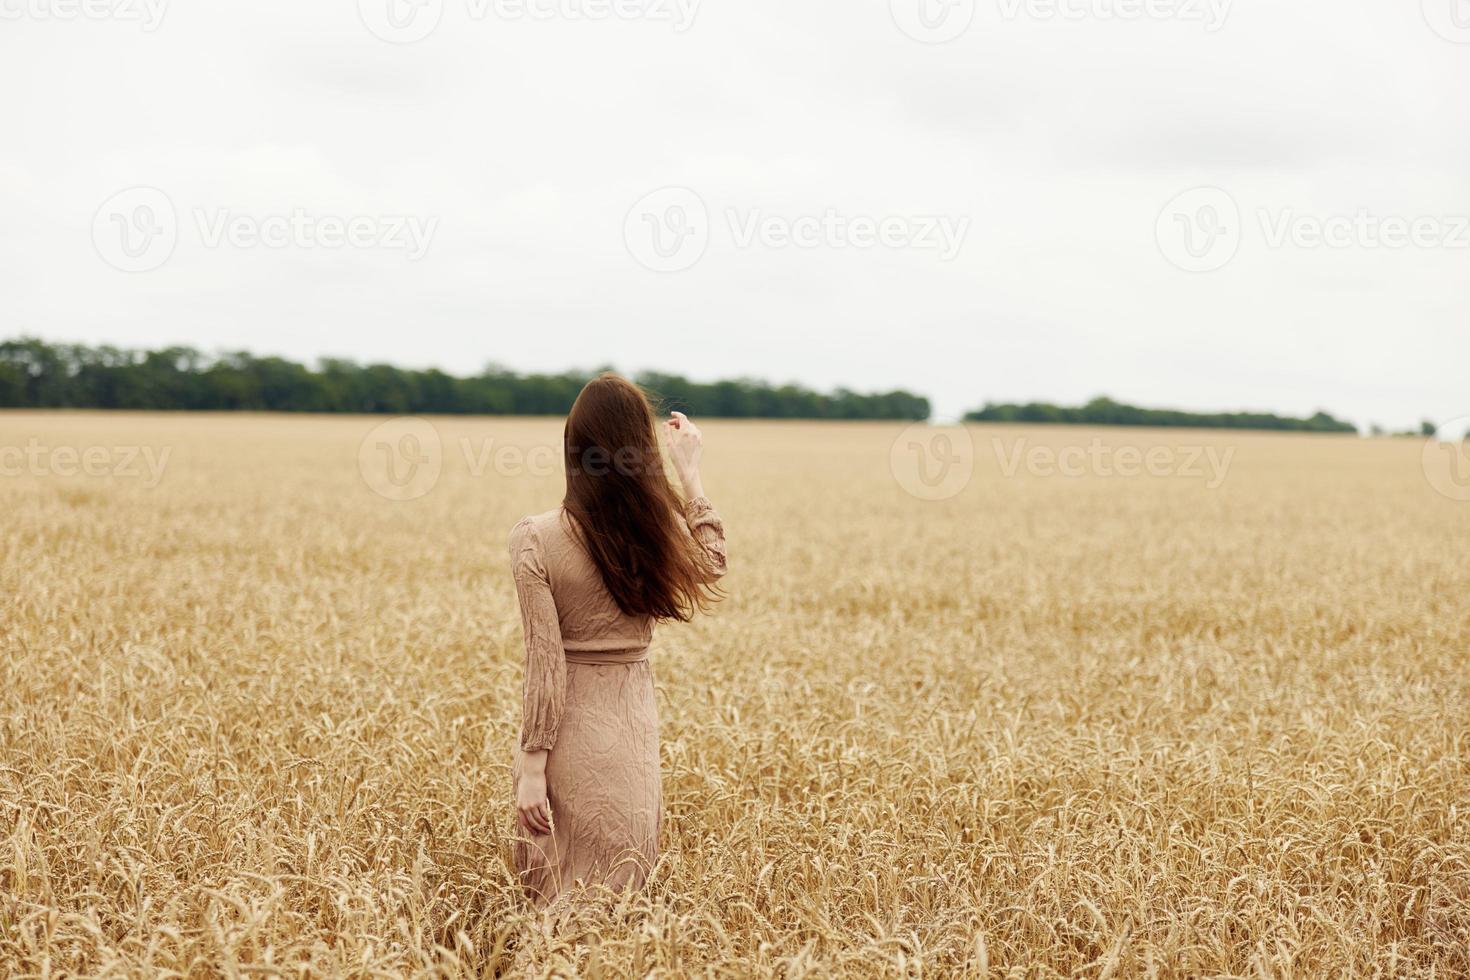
{"points": [[605, 651]]}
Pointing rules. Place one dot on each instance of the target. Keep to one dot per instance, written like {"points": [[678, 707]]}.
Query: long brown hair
{"points": [[628, 514]]}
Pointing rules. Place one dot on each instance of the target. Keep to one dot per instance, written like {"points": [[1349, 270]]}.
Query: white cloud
{"points": [[530, 140]]}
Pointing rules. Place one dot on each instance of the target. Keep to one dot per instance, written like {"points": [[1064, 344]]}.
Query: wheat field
{"points": [[256, 717]]}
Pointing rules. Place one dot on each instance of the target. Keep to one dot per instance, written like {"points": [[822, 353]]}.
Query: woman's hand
{"points": [[533, 809], [686, 446]]}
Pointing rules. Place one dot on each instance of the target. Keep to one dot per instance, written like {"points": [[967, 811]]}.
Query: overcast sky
{"points": [[853, 202]]}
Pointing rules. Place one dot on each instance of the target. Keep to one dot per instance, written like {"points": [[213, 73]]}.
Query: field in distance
{"points": [[999, 701]]}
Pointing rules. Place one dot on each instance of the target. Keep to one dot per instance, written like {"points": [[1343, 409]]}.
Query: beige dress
{"points": [[589, 699]]}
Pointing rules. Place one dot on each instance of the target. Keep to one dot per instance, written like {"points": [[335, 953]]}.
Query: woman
{"points": [[593, 576]]}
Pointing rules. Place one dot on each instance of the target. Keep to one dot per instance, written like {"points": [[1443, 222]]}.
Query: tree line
{"points": [[36, 374], [1105, 411]]}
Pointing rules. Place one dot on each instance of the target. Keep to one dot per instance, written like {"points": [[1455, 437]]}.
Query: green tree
{"points": [[34, 374]]}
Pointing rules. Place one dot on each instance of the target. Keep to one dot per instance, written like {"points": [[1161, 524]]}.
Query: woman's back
{"points": [[592, 577], [588, 617]]}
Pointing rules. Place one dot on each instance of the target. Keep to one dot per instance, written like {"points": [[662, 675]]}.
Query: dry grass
{"points": [[257, 720]]}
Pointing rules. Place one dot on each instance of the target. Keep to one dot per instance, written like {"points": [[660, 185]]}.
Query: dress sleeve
{"points": [[544, 694], [709, 531]]}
